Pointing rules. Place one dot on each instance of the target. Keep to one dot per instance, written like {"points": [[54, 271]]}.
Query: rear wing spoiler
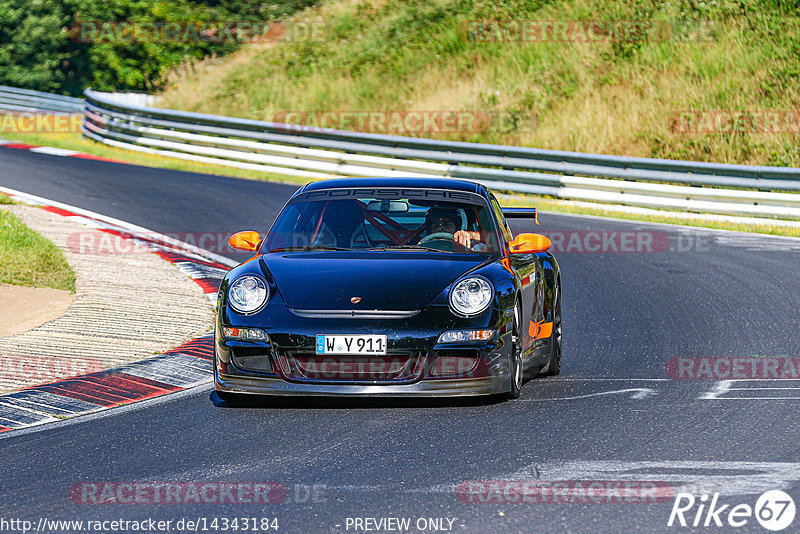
{"points": [[520, 213]]}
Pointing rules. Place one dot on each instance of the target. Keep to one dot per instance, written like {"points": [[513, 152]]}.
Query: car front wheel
{"points": [[555, 338], [517, 370]]}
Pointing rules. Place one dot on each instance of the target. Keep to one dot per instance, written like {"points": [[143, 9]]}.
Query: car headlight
{"points": [[471, 295], [248, 294]]}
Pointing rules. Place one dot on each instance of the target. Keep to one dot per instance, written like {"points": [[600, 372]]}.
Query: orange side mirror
{"points": [[529, 244], [247, 241]]}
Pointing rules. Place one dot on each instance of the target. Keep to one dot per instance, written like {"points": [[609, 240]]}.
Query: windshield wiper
{"points": [[316, 247], [407, 247]]}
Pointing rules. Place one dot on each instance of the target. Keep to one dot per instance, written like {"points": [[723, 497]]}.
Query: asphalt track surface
{"points": [[614, 414]]}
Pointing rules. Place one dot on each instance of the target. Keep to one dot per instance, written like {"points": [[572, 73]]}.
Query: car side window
{"points": [[501, 220]]}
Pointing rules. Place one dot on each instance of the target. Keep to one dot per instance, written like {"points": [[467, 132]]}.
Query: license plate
{"points": [[339, 344]]}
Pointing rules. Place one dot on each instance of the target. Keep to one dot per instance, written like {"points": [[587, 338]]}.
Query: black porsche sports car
{"points": [[389, 287]]}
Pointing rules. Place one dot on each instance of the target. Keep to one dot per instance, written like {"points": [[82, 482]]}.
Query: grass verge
{"points": [[29, 259], [709, 85]]}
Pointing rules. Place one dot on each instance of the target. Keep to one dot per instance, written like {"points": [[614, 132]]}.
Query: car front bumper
{"points": [[429, 372], [464, 387]]}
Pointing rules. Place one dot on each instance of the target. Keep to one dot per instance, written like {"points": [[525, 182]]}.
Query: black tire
{"points": [[555, 337], [517, 368]]}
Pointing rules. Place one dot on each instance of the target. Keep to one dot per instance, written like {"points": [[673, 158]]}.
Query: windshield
{"points": [[386, 219]]}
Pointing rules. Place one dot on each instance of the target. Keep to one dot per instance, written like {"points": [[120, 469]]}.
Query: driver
{"points": [[448, 221]]}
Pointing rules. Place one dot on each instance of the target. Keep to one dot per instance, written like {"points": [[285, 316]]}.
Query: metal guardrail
{"points": [[325, 153], [24, 100]]}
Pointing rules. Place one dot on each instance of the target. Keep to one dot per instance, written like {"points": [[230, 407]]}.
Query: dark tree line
{"points": [[64, 46]]}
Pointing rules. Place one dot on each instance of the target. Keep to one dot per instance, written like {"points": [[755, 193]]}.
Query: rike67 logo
{"points": [[774, 510]]}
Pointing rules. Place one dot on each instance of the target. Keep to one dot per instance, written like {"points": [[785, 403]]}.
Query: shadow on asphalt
{"points": [[348, 403]]}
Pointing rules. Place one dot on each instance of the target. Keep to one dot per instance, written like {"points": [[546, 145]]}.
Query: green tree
{"points": [[33, 50], [46, 45]]}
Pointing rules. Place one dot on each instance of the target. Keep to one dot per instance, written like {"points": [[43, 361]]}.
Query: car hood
{"points": [[402, 281]]}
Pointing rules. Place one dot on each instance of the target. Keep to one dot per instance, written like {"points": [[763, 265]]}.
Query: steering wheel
{"points": [[437, 235], [445, 243]]}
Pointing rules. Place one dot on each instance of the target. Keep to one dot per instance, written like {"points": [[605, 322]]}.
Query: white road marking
{"points": [[53, 151], [754, 389], [134, 230], [723, 387], [105, 411], [16, 414], [720, 388], [726, 478], [689, 476], [565, 379], [21, 413], [638, 393]]}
